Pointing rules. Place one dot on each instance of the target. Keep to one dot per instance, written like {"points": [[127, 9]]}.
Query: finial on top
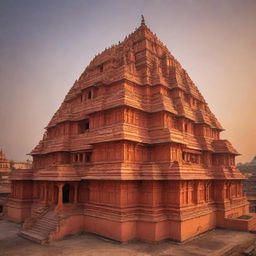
{"points": [[142, 20]]}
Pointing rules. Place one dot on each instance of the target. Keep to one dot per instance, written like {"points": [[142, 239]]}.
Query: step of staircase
{"points": [[44, 227], [33, 237], [40, 231], [46, 222]]}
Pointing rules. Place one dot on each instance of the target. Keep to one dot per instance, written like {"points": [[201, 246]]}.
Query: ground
{"points": [[216, 242]]}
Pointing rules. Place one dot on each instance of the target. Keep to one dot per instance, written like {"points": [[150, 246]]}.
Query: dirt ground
{"points": [[216, 242]]}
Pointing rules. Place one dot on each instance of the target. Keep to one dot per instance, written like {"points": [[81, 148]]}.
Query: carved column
{"points": [[12, 190], [75, 193], [52, 193], [45, 193], [60, 199], [197, 192]]}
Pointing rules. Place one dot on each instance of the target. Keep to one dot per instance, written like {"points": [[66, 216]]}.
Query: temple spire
{"points": [[142, 21]]}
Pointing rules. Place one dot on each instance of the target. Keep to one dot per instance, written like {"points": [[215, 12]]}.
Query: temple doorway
{"points": [[65, 193]]}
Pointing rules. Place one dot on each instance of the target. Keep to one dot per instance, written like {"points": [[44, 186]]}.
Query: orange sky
{"points": [[45, 45]]}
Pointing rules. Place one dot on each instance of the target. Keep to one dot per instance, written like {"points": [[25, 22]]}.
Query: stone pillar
{"points": [[197, 192], [189, 192], [60, 200], [229, 188], [52, 193], [12, 189], [45, 193], [75, 193]]}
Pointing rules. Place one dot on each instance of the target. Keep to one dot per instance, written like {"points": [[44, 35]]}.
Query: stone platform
{"points": [[216, 242]]}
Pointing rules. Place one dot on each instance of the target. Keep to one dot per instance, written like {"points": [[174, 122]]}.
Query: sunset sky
{"points": [[45, 45]]}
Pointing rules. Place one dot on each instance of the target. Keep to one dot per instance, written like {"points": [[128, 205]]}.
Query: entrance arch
{"points": [[66, 193]]}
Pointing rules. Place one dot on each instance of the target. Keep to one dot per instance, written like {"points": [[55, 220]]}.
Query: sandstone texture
{"points": [[133, 152]]}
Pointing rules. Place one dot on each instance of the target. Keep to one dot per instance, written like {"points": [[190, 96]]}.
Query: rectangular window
{"points": [[88, 156], [84, 125], [89, 96]]}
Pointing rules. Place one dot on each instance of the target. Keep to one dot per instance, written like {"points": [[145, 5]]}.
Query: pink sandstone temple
{"points": [[133, 152], [5, 168]]}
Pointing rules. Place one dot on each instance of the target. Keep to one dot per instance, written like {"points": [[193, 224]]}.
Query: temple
{"points": [[133, 152], [5, 168]]}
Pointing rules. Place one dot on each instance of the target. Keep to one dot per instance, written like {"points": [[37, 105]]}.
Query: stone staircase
{"points": [[40, 231]]}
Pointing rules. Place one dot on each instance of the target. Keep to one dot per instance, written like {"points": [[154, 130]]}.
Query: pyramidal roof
{"points": [[159, 67], [141, 58], [2, 155]]}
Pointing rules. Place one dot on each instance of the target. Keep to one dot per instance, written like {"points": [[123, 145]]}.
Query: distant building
{"points": [[250, 183], [22, 165], [5, 168]]}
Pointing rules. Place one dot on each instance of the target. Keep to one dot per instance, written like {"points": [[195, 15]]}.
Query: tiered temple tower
{"points": [[133, 152], [5, 168]]}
